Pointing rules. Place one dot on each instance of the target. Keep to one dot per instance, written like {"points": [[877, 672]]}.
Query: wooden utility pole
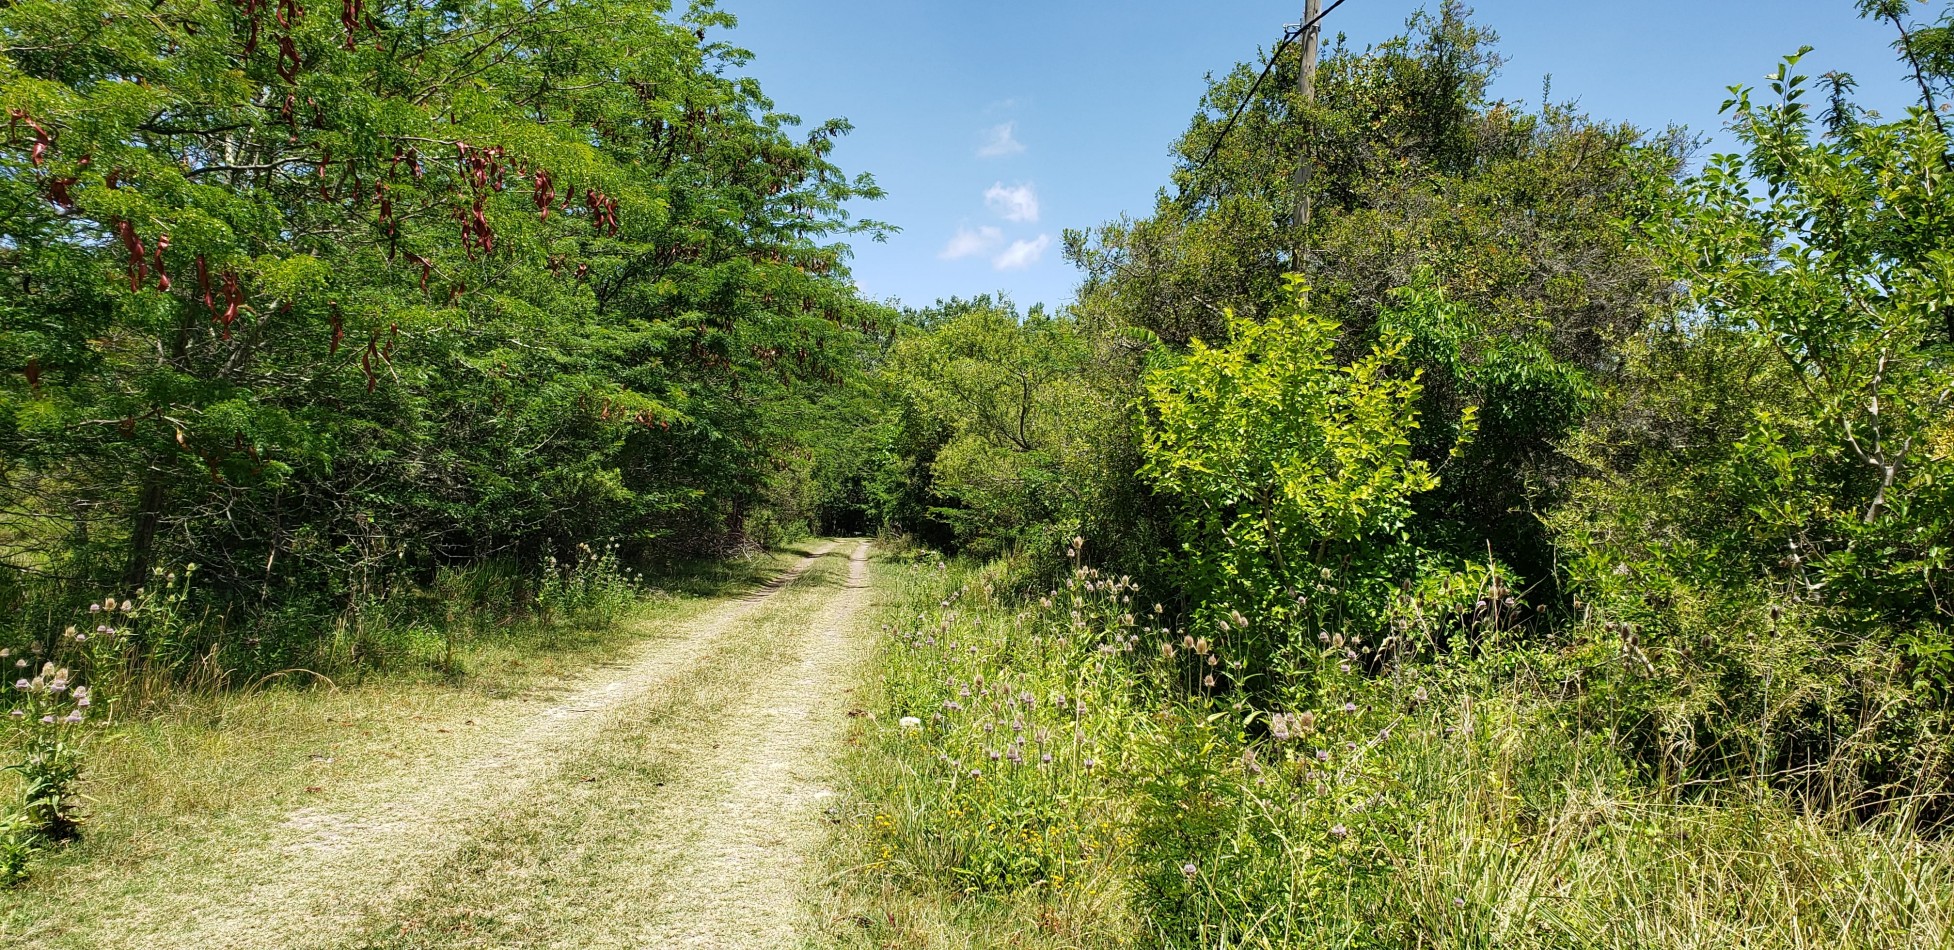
{"points": [[1306, 90]]}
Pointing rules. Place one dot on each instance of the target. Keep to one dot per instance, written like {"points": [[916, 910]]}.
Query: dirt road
{"points": [[669, 802]]}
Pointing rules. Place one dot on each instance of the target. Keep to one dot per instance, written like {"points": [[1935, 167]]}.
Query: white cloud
{"points": [[1016, 203], [1001, 141], [1022, 254], [968, 243]]}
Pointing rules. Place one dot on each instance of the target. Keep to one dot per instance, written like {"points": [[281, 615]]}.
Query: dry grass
{"points": [[180, 801]]}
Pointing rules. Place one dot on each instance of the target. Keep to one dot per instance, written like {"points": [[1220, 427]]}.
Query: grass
{"points": [[1445, 806], [198, 767]]}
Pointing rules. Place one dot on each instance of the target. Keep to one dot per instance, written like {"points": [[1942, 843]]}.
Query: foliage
{"points": [[1765, 534], [1421, 183], [1450, 804], [325, 303], [1010, 432], [1293, 470]]}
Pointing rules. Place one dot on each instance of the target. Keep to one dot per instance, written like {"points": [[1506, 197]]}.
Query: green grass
{"points": [[1446, 806]]}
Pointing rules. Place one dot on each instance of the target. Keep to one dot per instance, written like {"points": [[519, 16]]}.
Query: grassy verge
{"points": [[1067, 779], [186, 766]]}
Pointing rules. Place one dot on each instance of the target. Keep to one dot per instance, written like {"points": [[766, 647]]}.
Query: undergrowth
{"points": [[1059, 771]]}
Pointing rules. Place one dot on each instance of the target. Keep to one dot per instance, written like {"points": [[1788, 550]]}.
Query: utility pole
{"points": [[1306, 91]]}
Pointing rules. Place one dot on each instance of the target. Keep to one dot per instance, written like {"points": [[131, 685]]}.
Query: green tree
{"points": [[1293, 470], [1767, 526], [314, 297]]}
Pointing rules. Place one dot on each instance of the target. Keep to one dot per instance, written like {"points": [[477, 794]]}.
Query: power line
{"points": [[1287, 38]]}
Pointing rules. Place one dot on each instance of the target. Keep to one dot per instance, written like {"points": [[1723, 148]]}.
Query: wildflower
{"points": [[994, 755], [910, 722], [1350, 707], [1190, 870], [976, 773], [73, 718], [1187, 642], [1339, 832], [21, 683], [20, 664], [17, 714], [1208, 681], [1214, 660], [1419, 696], [1045, 759], [1279, 727], [1458, 902], [1322, 755], [1304, 722], [128, 606], [1090, 764]]}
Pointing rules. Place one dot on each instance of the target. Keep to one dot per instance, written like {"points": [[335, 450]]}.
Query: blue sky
{"points": [[996, 125]]}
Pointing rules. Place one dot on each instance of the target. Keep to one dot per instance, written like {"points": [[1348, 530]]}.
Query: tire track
{"points": [[309, 880]]}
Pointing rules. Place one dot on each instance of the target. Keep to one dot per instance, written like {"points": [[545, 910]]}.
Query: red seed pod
{"points": [[338, 327], [350, 13], [162, 272], [250, 10], [233, 299], [138, 264], [386, 201], [544, 193], [57, 192], [288, 60], [203, 285], [427, 269]]}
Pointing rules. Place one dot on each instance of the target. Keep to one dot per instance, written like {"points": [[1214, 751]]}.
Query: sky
{"points": [[994, 126]]}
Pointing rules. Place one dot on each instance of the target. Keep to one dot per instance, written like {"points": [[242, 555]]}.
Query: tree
{"points": [[1293, 469], [309, 296], [1767, 521]]}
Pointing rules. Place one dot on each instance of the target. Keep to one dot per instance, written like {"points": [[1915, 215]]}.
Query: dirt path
{"points": [[670, 804]]}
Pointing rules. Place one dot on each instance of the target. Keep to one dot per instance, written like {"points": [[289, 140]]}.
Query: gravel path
{"points": [[672, 802]]}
